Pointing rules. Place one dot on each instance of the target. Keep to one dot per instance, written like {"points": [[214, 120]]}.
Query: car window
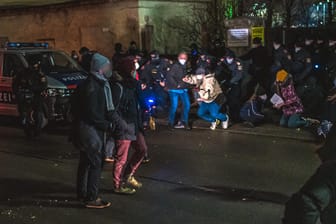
{"points": [[60, 60], [12, 65], [53, 62]]}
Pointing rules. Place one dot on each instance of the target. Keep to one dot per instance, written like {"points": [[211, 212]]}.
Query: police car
{"points": [[62, 72]]}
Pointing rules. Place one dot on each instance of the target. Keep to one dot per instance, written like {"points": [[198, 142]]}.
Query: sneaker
{"points": [[124, 190], [133, 182], [97, 204], [146, 160], [109, 160], [311, 123], [225, 124], [179, 125], [311, 120], [213, 126]]}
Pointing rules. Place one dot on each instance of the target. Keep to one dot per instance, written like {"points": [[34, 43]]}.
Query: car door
{"points": [[11, 65]]}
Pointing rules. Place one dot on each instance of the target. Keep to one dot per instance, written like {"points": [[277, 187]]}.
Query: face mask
{"points": [[263, 97], [297, 49], [229, 60], [137, 66], [182, 61], [75, 57], [332, 43], [199, 77], [276, 46]]}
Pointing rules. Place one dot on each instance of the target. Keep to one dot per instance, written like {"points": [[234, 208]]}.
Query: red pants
{"points": [[122, 147]]}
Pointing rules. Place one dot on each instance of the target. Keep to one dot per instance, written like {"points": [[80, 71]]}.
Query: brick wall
{"points": [[97, 26]]}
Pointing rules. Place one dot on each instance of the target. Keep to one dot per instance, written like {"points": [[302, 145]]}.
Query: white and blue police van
{"points": [[62, 72]]}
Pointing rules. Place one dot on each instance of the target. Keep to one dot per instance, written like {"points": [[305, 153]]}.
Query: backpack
{"points": [[123, 97]]}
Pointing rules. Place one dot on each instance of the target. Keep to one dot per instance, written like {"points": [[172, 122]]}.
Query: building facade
{"points": [[98, 25]]}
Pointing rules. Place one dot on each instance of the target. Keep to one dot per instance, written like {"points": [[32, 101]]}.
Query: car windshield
{"points": [[53, 62]]}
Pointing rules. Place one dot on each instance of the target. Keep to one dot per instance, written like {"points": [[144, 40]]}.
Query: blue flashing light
{"points": [[150, 101], [26, 45], [316, 66], [194, 52]]}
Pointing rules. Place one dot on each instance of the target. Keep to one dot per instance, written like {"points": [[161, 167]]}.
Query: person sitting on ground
{"points": [[211, 97], [251, 111], [289, 102]]}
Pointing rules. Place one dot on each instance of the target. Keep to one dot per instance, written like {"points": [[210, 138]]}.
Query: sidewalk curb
{"points": [[253, 132]]}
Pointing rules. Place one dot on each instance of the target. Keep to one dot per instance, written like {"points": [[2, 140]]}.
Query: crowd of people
{"points": [[297, 81], [295, 86]]}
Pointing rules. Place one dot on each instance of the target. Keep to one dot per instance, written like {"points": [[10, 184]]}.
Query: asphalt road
{"points": [[194, 177]]}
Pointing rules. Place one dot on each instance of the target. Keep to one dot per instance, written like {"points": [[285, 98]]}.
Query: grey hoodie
{"points": [[97, 63]]}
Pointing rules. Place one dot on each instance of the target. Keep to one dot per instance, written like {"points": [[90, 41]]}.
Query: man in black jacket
{"points": [[94, 113], [178, 89], [259, 68], [86, 58]]}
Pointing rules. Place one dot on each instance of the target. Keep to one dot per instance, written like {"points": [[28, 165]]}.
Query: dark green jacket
{"points": [[317, 198]]}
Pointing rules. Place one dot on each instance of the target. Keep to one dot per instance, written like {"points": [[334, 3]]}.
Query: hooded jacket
{"points": [[209, 88], [93, 117]]}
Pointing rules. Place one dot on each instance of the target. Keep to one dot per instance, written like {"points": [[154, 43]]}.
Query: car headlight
{"points": [[52, 92], [60, 92]]}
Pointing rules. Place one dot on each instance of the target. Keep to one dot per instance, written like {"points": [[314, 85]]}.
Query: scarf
{"points": [[107, 91]]}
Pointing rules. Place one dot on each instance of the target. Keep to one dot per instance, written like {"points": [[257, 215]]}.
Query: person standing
{"points": [[178, 90], [153, 76], [86, 58], [75, 56], [125, 95], [280, 57], [93, 114], [118, 55], [133, 49], [259, 68], [233, 85], [301, 68], [31, 82]]}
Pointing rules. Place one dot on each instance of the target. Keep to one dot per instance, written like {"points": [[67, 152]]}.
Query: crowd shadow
{"points": [[234, 194], [225, 193], [39, 193]]}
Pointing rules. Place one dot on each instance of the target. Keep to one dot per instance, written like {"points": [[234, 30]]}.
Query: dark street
{"points": [[194, 177]]}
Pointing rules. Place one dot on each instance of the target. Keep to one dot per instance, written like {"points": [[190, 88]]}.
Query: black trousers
{"points": [[234, 102], [88, 174]]}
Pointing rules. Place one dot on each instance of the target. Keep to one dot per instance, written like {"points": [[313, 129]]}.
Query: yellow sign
{"points": [[258, 32]]}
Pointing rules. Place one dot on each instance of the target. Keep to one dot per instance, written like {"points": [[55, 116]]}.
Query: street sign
{"points": [[258, 32], [238, 37]]}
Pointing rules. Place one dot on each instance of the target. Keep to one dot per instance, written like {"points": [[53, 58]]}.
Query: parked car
{"points": [[62, 72]]}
